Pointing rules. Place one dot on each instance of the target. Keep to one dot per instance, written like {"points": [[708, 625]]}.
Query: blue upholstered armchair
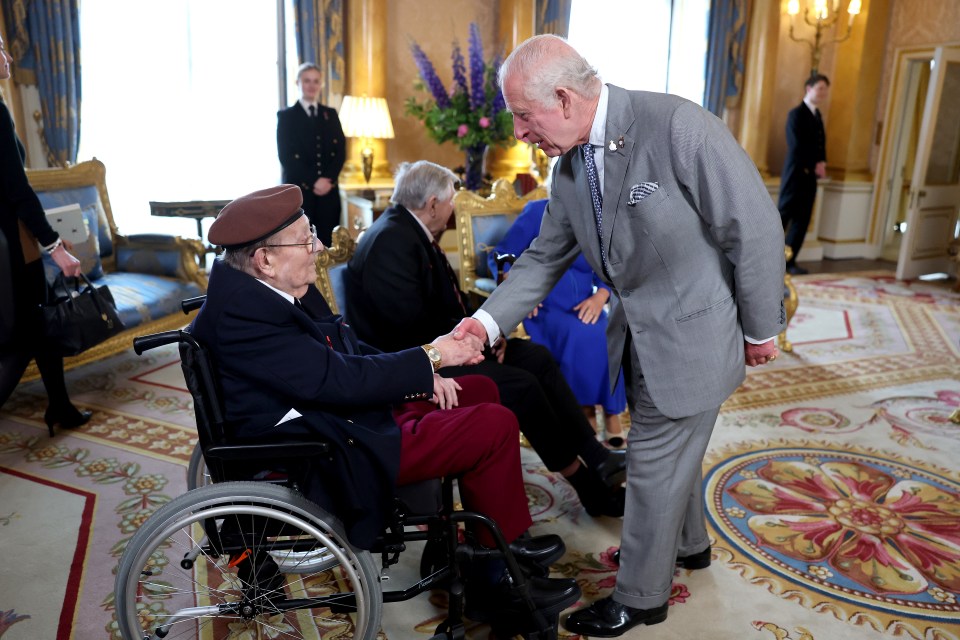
{"points": [[481, 224], [148, 274]]}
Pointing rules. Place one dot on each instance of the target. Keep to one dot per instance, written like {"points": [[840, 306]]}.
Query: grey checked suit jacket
{"points": [[694, 265]]}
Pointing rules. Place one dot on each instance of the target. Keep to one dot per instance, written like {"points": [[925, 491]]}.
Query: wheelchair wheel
{"points": [[197, 474], [245, 559]]}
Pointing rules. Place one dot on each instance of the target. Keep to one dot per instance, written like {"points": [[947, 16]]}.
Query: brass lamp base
{"points": [[366, 154]]}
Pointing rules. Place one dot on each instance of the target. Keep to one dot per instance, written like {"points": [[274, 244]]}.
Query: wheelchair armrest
{"points": [[267, 451], [190, 304], [502, 260]]}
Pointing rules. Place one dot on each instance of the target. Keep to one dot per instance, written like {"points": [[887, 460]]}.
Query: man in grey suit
{"points": [[673, 214]]}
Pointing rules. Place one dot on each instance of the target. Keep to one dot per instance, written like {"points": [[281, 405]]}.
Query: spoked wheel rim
{"points": [[264, 570]]}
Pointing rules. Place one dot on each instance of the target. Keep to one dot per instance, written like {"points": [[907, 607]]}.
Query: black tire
{"points": [[234, 556]]}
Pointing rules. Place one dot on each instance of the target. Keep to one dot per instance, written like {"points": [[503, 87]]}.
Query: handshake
{"points": [[463, 345]]}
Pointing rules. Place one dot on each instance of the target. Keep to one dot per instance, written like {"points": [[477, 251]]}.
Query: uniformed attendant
{"points": [[312, 149]]}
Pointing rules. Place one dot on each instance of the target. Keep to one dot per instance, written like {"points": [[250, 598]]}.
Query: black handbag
{"points": [[77, 319]]}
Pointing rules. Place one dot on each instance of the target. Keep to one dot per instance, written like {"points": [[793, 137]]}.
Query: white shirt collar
{"points": [[306, 106], [286, 296], [598, 129], [426, 231], [812, 108]]}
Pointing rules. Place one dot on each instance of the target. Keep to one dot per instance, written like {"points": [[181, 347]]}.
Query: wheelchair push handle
{"points": [[190, 304], [154, 340]]}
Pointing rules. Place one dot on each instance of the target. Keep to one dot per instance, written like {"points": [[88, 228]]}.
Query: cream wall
{"points": [[433, 24]]}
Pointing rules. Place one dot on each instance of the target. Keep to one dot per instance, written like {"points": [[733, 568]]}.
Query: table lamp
{"points": [[365, 118]]}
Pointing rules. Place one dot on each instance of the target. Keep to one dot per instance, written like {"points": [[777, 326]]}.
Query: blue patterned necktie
{"points": [[596, 195]]}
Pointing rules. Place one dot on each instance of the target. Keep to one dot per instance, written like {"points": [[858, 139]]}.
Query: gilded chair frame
{"points": [[192, 254], [468, 205], [339, 252]]}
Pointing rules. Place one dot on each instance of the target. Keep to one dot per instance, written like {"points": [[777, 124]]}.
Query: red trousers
{"points": [[479, 443]]}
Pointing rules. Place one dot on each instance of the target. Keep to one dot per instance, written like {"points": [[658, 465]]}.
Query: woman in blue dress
{"points": [[572, 323]]}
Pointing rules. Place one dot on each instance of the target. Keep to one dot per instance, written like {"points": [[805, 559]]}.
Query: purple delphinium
{"points": [[477, 68], [429, 75], [459, 70]]}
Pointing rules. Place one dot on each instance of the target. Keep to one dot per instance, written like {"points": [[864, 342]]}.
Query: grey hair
{"points": [[547, 62], [308, 66], [417, 181], [241, 258]]}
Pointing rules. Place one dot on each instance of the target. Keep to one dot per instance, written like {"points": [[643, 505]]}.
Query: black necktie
{"points": [[313, 111], [451, 275]]}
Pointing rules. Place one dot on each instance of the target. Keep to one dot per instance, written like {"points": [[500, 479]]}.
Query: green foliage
{"points": [[443, 125]]}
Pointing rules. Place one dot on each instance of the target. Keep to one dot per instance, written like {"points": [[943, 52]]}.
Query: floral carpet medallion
{"points": [[867, 535]]}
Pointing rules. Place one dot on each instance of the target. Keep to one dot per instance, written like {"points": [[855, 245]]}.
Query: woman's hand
{"points": [[67, 263], [444, 392], [589, 310]]}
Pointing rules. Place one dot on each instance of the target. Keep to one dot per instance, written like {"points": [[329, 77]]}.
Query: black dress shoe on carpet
{"points": [[613, 471], [597, 498], [607, 618], [65, 417], [794, 270], [504, 601], [538, 551], [696, 561]]}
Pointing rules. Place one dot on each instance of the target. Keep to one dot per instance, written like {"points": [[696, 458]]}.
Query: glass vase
{"points": [[474, 167]]}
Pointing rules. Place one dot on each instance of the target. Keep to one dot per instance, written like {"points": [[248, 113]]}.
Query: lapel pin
{"points": [[620, 142], [613, 146]]}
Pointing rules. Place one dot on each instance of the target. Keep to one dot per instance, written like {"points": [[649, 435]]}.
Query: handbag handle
{"points": [[94, 294]]}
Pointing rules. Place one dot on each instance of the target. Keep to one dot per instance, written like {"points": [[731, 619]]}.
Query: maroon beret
{"points": [[256, 216]]}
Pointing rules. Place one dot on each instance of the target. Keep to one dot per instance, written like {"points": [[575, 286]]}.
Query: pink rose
{"points": [[484, 122], [462, 130]]}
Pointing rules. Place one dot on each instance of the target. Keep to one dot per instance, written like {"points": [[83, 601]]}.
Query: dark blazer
{"points": [[806, 146], [273, 357], [308, 152], [311, 149], [398, 290], [24, 284], [17, 198]]}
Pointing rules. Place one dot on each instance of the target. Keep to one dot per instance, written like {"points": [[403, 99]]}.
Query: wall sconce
{"points": [[366, 118], [821, 17]]}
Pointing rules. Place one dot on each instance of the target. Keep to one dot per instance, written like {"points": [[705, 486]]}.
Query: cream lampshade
{"points": [[365, 118]]}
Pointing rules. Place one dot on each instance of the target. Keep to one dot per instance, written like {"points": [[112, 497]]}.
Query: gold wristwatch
{"points": [[434, 354]]}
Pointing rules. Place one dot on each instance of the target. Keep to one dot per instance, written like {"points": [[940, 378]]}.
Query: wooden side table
{"points": [[194, 209]]}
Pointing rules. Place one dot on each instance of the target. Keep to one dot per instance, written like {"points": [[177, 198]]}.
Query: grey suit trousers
{"points": [[664, 495]]}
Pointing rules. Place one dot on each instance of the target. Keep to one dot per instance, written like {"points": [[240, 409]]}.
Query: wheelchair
{"points": [[244, 554]]}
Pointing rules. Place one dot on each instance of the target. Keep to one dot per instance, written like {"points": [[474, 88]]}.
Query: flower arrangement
{"points": [[473, 114]]}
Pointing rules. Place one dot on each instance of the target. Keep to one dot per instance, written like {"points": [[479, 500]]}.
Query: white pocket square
{"points": [[640, 191]]}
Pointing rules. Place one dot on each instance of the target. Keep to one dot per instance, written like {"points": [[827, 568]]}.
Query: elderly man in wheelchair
{"points": [[320, 449]]}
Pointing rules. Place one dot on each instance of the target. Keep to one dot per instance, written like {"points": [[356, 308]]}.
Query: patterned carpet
{"points": [[832, 482]]}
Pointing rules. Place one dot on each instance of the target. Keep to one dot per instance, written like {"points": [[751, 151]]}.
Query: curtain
{"points": [[727, 29], [553, 16], [319, 29], [45, 43]]}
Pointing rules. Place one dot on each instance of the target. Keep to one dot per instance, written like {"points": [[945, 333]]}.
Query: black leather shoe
{"points": [[66, 418], [794, 270], [607, 618], [613, 471], [486, 603], [541, 551], [696, 561]]}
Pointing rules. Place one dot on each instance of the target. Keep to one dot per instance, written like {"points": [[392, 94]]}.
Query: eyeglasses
{"points": [[314, 243]]}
